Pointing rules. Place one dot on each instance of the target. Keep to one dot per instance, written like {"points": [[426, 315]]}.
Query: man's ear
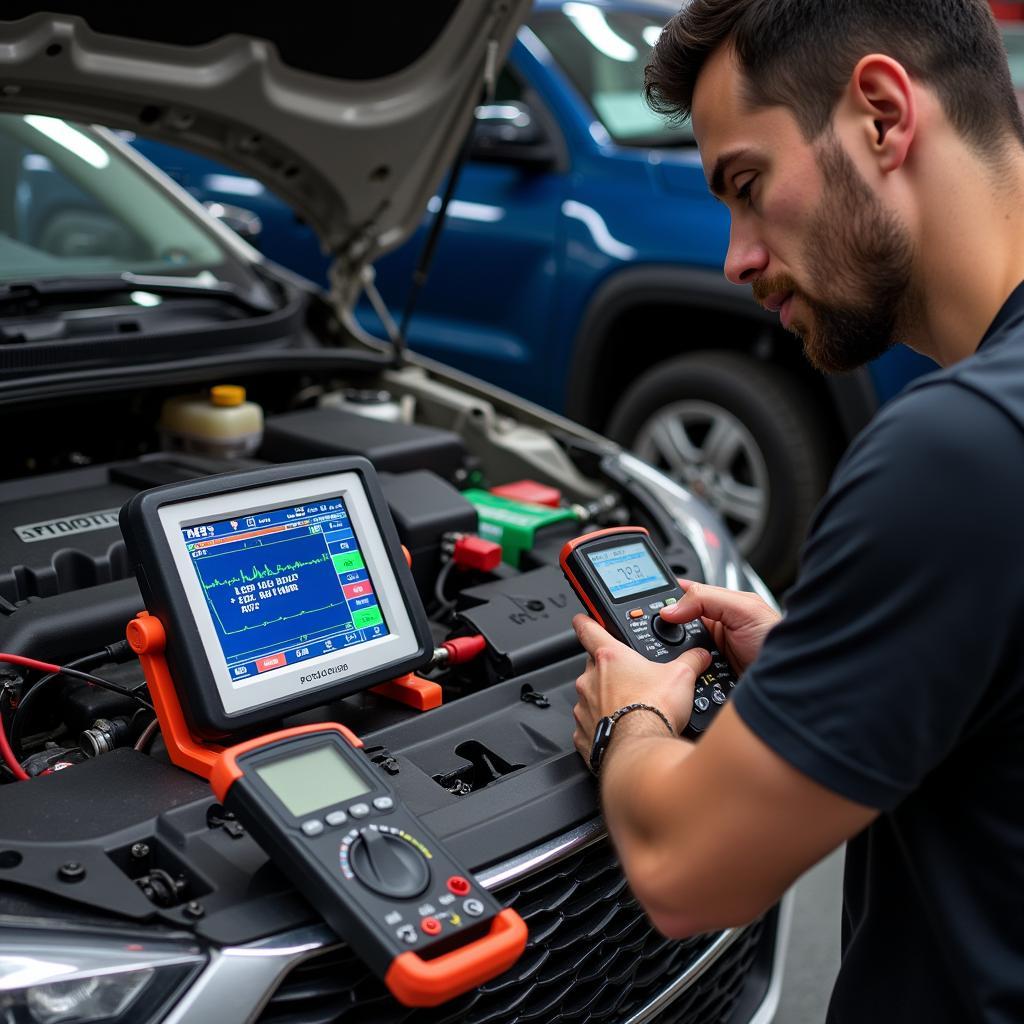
{"points": [[881, 93]]}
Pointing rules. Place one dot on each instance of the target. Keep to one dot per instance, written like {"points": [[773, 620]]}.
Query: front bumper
{"points": [[592, 956]]}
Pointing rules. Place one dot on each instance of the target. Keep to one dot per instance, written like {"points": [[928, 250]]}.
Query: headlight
{"points": [[89, 980]]}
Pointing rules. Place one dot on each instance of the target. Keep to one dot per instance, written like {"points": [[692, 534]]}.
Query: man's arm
{"points": [[711, 835]]}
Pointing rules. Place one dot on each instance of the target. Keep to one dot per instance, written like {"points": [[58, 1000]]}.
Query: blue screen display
{"points": [[627, 570], [284, 585]]}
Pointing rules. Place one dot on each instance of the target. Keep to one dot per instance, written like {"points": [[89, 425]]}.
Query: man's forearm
{"points": [[636, 774], [643, 808]]}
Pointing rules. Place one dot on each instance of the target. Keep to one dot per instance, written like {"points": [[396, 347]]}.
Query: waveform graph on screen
{"points": [[268, 596], [284, 586]]}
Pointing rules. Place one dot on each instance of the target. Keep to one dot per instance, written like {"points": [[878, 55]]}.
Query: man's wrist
{"points": [[631, 719], [643, 723]]}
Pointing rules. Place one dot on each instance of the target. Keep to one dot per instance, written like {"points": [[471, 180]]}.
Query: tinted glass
{"points": [[604, 53]]}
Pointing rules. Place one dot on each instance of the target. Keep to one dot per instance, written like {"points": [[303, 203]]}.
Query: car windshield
{"points": [[71, 204], [603, 51]]}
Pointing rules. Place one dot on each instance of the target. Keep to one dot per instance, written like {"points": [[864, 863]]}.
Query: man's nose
{"points": [[746, 259]]}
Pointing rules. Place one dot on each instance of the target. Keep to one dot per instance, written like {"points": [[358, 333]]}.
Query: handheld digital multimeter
{"points": [[624, 582], [369, 866], [280, 589]]}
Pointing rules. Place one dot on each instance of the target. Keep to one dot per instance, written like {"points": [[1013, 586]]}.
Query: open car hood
{"points": [[350, 113]]}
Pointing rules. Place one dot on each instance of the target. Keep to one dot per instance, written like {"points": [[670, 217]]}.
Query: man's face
{"points": [[808, 234]]}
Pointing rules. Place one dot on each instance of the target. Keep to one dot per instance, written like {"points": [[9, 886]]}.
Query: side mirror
{"points": [[242, 221], [510, 132]]}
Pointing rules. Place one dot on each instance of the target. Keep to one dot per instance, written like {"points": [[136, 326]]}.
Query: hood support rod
{"points": [[426, 257]]}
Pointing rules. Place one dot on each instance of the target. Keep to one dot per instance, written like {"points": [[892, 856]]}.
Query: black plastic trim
{"points": [[76, 383]]}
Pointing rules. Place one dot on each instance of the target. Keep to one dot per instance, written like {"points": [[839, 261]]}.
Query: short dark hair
{"points": [[800, 54]]}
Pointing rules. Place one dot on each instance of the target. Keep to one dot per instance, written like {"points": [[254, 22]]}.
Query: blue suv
{"points": [[580, 267]]}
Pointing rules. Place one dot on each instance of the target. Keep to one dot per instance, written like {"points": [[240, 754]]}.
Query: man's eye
{"points": [[743, 192]]}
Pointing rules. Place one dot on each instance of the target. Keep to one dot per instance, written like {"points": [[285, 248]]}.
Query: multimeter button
{"points": [[388, 865], [336, 818], [668, 632], [473, 907], [718, 696], [670, 600], [702, 703], [383, 803], [458, 885], [313, 827], [636, 613], [359, 810], [430, 926]]}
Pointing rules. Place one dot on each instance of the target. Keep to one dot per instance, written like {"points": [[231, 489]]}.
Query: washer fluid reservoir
{"points": [[221, 423]]}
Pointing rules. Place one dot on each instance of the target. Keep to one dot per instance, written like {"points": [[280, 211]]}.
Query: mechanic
{"points": [[871, 154]]}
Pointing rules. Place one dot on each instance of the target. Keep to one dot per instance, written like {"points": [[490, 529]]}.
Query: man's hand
{"points": [[738, 621], [616, 676]]}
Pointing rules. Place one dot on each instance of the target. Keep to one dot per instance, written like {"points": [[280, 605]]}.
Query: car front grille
{"points": [[592, 956]]}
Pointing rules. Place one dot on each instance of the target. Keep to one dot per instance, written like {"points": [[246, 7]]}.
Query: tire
{"points": [[745, 436]]}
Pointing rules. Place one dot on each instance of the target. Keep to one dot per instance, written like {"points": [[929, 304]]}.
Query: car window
{"points": [[71, 204], [604, 52], [1013, 37]]}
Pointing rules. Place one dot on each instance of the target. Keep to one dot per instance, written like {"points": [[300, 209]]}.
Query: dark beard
{"points": [[856, 248]]}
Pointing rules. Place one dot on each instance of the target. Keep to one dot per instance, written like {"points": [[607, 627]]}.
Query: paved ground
{"points": [[813, 955]]}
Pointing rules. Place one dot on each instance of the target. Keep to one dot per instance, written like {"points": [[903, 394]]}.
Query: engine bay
{"points": [[483, 503]]}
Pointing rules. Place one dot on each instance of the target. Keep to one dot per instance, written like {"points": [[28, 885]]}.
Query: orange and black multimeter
{"points": [[379, 878], [624, 582]]}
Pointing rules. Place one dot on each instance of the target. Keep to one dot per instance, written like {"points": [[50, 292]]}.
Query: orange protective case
{"points": [[414, 981]]}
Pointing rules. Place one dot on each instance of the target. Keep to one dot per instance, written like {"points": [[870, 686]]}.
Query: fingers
{"points": [[694, 661], [592, 636], [731, 607]]}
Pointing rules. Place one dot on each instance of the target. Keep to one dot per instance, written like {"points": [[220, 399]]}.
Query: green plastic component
{"points": [[513, 524]]}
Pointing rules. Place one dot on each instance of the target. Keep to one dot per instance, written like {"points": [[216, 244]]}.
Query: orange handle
{"points": [[147, 638], [417, 982]]}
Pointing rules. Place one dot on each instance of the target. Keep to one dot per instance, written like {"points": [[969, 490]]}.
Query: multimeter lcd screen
{"points": [[284, 585], [627, 570], [307, 782]]}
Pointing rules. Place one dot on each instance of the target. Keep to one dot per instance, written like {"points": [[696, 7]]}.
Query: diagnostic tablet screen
{"points": [[627, 570], [284, 585]]}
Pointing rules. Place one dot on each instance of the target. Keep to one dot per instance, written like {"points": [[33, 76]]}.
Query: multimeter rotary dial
{"points": [[389, 863], [669, 632]]}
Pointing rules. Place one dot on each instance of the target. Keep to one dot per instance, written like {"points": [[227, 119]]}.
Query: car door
{"points": [[486, 305]]}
